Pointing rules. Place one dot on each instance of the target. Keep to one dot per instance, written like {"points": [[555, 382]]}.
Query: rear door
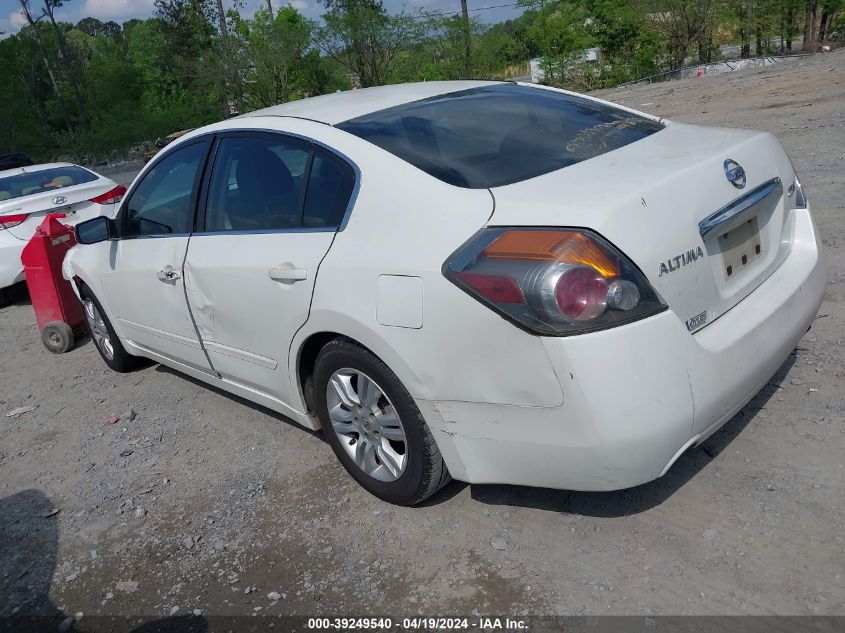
{"points": [[272, 207], [143, 284]]}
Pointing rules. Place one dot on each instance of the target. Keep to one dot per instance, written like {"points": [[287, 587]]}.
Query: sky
{"points": [[121, 10]]}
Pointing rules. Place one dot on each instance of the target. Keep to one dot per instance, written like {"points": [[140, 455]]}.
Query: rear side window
{"points": [[257, 184], [43, 180], [329, 189], [163, 202], [499, 134]]}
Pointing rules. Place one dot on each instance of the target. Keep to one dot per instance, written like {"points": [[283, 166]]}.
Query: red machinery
{"points": [[57, 309]]}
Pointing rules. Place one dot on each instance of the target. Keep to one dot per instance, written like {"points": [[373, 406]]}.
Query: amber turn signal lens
{"points": [[566, 247]]}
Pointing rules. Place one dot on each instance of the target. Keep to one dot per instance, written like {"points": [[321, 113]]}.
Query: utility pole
{"points": [[468, 51], [270, 9]]}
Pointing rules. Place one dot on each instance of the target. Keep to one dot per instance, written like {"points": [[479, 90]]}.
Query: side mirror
{"points": [[95, 230]]}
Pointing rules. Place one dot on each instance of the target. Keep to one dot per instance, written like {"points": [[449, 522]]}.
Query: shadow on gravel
{"points": [[29, 538], [622, 503], [30, 545], [17, 294]]}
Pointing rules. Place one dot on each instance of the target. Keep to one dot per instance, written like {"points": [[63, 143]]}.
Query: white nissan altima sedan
{"points": [[493, 282]]}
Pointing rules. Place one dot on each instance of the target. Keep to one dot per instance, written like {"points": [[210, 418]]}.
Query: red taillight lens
{"points": [[581, 293], [111, 197], [553, 281], [497, 288], [8, 221]]}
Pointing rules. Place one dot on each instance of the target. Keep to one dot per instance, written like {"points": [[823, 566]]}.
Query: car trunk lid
{"points": [[73, 202], [667, 203]]}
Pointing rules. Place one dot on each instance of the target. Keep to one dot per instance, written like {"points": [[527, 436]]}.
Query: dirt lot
{"points": [[203, 501]]}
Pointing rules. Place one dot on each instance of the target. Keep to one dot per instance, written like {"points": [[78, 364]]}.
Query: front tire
{"points": [[374, 426], [104, 337]]}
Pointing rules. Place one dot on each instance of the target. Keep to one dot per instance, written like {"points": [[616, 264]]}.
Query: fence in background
{"points": [[716, 68]]}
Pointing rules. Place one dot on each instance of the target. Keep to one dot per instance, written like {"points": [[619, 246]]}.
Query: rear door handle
{"points": [[288, 274], [168, 274]]}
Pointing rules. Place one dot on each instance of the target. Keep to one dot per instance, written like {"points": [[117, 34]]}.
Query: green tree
{"points": [[361, 37]]}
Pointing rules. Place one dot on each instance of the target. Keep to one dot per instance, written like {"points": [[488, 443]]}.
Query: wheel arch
{"points": [[306, 360], [308, 347]]}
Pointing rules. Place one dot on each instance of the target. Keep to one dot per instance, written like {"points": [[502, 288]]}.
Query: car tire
{"points": [[103, 335], [423, 471], [57, 337]]}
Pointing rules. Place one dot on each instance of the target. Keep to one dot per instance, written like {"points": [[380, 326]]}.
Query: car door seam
{"points": [[203, 183], [310, 304], [191, 312]]}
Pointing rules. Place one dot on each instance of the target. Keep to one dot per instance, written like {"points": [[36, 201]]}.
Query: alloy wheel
{"points": [[367, 424], [102, 338]]}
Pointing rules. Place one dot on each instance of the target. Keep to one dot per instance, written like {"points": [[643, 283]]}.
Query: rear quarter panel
{"points": [[407, 223]]}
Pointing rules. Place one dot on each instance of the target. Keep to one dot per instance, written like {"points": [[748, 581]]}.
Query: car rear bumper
{"points": [[637, 396], [11, 269]]}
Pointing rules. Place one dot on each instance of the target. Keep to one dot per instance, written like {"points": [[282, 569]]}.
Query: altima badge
{"points": [[734, 173], [671, 265]]}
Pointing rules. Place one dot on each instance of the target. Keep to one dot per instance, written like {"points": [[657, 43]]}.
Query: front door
{"points": [[143, 284], [273, 207]]}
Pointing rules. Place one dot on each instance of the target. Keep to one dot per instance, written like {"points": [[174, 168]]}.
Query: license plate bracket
{"points": [[739, 247]]}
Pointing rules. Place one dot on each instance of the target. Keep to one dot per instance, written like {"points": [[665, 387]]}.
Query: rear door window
{"points": [[330, 186], [499, 134], [257, 184]]}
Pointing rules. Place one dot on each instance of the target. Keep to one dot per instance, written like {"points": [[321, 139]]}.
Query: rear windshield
{"points": [[29, 183], [499, 134]]}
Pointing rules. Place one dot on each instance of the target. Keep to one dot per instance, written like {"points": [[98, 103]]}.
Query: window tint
{"points": [[43, 180], [329, 188], [163, 202], [256, 184], [499, 134]]}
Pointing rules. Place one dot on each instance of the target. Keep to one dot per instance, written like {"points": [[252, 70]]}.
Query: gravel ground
{"points": [[195, 499]]}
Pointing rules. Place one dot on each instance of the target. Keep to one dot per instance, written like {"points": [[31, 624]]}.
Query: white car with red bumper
{"points": [[488, 281]]}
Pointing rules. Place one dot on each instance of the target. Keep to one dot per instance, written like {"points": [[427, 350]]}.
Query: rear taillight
{"points": [[8, 221], [553, 281], [111, 197], [800, 196]]}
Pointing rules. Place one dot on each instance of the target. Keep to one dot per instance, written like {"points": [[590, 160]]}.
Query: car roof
{"points": [[341, 106], [32, 168]]}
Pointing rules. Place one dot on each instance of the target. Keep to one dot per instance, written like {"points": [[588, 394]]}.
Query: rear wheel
{"points": [[104, 337], [374, 426]]}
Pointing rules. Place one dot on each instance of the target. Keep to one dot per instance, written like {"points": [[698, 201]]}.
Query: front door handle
{"points": [[288, 274], [168, 274]]}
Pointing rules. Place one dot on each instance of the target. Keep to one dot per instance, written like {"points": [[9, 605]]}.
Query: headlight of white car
{"points": [[552, 281]]}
